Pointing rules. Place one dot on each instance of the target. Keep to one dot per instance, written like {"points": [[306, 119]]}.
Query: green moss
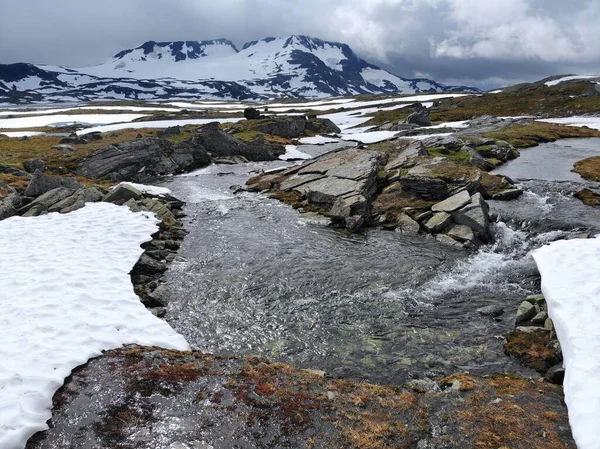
{"points": [[459, 156]]}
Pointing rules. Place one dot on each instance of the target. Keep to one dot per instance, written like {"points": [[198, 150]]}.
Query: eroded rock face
{"points": [[170, 399]]}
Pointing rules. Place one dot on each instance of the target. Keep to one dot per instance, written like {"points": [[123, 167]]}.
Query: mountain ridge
{"points": [[296, 66]]}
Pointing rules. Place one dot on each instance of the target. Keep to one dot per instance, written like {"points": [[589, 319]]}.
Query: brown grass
{"points": [[588, 168], [523, 136]]}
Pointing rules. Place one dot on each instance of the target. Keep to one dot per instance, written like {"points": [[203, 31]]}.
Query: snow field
{"points": [[66, 296], [571, 286], [49, 120]]}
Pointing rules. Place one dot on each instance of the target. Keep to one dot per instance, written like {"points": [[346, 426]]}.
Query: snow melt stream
{"points": [[66, 296], [571, 286]]}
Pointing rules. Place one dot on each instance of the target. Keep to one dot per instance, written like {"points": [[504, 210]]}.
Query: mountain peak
{"points": [[178, 50]]}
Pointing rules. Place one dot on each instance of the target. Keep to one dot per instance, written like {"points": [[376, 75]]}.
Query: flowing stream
{"points": [[256, 277]]}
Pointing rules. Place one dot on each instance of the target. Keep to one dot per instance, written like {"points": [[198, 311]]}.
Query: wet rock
{"points": [[443, 238], [32, 165], [556, 374], [438, 222], [462, 233], [491, 311], [122, 193], [549, 324], [148, 266], [41, 184], [407, 225], [350, 205], [452, 203], [475, 216], [525, 312], [354, 223], [507, 195]]}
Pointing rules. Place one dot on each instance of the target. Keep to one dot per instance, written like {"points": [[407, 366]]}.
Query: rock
{"points": [[73, 141], [161, 295], [220, 144], [122, 193], [159, 312], [556, 374], [462, 233], [540, 318], [77, 200], [420, 118], [148, 266], [9, 206], [32, 165], [438, 222], [351, 205], [93, 136], [43, 202], [288, 127], [492, 311], [322, 126], [423, 385], [475, 216], [407, 225], [354, 223], [507, 195], [442, 238], [549, 324], [408, 150], [535, 299], [251, 114], [525, 312], [160, 209], [41, 184], [452, 203], [170, 131], [13, 171], [142, 160], [64, 148]]}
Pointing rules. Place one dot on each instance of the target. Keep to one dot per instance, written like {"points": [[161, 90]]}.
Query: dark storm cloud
{"points": [[475, 42]]}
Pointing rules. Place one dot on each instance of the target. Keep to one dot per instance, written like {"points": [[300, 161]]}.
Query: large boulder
{"points": [[420, 118], [322, 126], [218, 143], [143, 159], [41, 184], [33, 165], [475, 216]]}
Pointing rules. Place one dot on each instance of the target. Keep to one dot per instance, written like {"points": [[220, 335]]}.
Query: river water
{"points": [[255, 277]]}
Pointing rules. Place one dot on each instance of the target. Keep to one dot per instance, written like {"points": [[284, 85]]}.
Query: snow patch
{"points": [[64, 119], [571, 286], [151, 190], [570, 78], [67, 296], [292, 152], [317, 140]]}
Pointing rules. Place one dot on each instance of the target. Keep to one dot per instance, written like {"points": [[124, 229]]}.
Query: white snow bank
{"points": [[370, 137], [590, 122], [48, 120], [156, 124], [317, 140], [21, 133], [152, 190], [292, 152], [571, 286], [66, 296], [570, 78]]}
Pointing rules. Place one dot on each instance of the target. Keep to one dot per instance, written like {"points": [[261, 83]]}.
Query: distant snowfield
{"points": [[67, 296], [21, 133], [570, 78], [156, 124], [42, 111], [590, 122], [571, 286], [49, 120]]}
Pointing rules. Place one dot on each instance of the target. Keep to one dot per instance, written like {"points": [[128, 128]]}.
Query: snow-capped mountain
{"points": [[295, 66]]}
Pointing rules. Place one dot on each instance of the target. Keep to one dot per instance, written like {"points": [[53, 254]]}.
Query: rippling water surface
{"points": [[256, 277]]}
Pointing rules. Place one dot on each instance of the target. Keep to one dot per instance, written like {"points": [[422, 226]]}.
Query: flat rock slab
{"points": [[296, 181], [352, 164], [452, 203], [438, 222], [326, 190]]}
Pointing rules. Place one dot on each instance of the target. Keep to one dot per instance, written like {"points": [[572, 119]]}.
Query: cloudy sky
{"points": [[485, 43]]}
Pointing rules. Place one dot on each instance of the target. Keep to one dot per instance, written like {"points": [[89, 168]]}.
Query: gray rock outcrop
{"points": [[41, 184]]}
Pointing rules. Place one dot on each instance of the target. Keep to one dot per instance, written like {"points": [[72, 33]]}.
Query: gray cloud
{"points": [[483, 43]]}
